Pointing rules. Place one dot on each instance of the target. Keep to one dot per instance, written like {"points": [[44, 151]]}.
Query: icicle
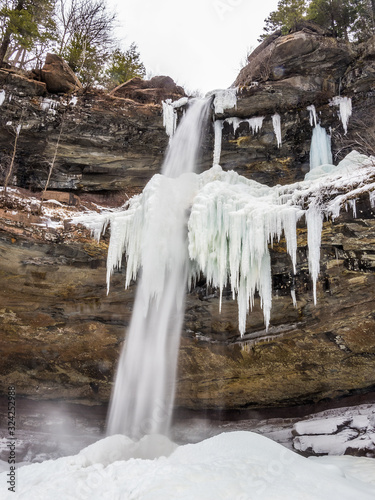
{"points": [[345, 105], [2, 97], [294, 299], [372, 198], [218, 128], [313, 120], [320, 149], [314, 221], [276, 122], [255, 123], [353, 206], [235, 122]]}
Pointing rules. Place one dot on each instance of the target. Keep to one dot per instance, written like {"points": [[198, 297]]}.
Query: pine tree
{"points": [[288, 13], [124, 66], [338, 16], [23, 25]]}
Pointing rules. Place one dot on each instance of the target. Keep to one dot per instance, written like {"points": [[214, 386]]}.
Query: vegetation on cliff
{"points": [[347, 19], [80, 31]]}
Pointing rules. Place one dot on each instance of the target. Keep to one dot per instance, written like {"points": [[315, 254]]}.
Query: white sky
{"points": [[199, 43]]}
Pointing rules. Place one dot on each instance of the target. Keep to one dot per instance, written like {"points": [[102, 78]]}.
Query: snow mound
{"points": [[238, 465]]}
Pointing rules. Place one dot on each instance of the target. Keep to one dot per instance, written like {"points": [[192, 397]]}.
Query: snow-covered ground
{"points": [[234, 465]]}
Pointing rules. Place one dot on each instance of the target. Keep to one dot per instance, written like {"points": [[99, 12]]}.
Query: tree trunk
{"points": [[7, 36]]}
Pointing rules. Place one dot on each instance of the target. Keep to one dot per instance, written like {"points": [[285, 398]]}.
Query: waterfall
{"points": [[142, 398]]}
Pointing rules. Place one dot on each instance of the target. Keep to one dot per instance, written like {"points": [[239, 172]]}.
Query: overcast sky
{"points": [[199, 43]]}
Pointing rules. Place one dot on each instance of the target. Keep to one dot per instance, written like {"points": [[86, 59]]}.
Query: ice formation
{"points": [[48, 105], [320, 149], [170, 114], [2, 97], [345, 107], [255, 123], [218, 130], [276, 122], [232, 223], [224, 99], [169, 117]]}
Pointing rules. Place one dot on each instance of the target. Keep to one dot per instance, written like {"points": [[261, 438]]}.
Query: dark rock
{"points": [[13, 81]]}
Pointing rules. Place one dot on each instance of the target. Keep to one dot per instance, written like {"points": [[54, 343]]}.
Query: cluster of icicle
{"points": [[232, 223]]}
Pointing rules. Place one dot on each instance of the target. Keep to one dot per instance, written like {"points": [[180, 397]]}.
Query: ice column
{"points": [[218, 129], [314, 220], [276, 122], [320, 149]]}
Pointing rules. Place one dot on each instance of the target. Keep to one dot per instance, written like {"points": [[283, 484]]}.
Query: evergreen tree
{"points": [[25, 24], [124, 66], [288, 13], [338, 16]]}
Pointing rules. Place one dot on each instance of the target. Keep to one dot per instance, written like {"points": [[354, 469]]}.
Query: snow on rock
{"points": [[239, 465], [2, 97], [353, 430], [326, 426]]}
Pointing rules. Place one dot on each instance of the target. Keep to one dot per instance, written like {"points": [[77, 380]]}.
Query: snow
{"points": [[327, 426], [276, 122], [2, 97], [345, 107], [239, 465]]}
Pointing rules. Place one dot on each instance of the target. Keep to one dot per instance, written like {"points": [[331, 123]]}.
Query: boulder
{"points": [[154, 90], [58, 76]]}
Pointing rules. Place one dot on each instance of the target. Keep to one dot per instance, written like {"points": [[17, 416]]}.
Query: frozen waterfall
{"points": [[217, 223], [142, 399]]}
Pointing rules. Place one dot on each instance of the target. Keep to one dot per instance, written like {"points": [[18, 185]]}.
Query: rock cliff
{"points": [[61, 333]]}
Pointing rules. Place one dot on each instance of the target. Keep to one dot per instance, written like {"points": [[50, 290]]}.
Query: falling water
{"points": [[142, 399]]}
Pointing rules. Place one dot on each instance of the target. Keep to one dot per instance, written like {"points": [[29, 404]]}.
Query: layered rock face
{"points": [[62, 334]]}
